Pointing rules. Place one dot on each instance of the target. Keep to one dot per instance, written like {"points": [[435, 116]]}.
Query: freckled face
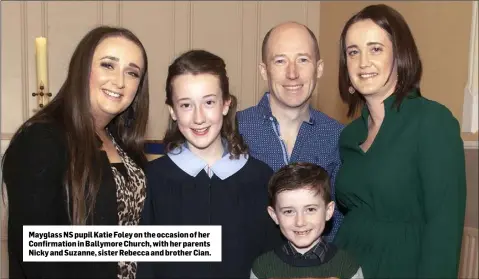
{"points": [[301, 215]]}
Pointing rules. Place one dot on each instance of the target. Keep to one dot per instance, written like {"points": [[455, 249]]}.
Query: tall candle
{"points": [[41, 57]]}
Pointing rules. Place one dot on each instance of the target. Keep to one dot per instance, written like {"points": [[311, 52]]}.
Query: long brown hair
{"points": [[203, 62], [70, 110], [406, 55]]}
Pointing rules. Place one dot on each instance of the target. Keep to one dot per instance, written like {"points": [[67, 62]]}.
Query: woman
{"points": [[80, 159], [402, 182], [207, 177]]}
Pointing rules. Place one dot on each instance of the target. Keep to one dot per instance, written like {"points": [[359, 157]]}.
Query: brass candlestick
{"points": [[41, 94]]}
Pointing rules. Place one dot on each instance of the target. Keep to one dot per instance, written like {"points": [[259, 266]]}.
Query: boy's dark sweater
{"points": [[237, 203], [284, 262]]}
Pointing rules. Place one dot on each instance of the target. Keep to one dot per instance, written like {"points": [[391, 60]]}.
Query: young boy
{"points": [[300, 203]]}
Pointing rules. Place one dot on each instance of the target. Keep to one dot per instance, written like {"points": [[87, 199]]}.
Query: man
{"points": [[283, 127]]}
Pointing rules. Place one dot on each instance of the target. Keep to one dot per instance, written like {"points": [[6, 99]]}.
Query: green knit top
{"points": [[270, 265]]}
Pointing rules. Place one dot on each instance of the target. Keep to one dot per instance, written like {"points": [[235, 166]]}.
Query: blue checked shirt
{"points": [[317, 143]]}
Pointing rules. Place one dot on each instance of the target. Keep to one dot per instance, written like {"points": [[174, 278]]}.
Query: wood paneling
{"points": [[65, 28], [14, 62], [233, 30], [155, 30], [209, 32]]}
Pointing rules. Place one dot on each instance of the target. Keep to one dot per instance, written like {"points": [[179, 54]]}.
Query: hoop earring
{"points": [[351, 90]]}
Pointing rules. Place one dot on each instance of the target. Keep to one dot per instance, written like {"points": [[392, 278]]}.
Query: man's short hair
{"points": [[266, 39], [300, 176]]}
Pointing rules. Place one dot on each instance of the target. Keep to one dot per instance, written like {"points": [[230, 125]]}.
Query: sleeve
{"points": [[337, 215], [257, 268], [443, 181], [147, 214], [252, 276], [334, 170], [272, 236], [358, 275], [33, 172], [147, 269]]}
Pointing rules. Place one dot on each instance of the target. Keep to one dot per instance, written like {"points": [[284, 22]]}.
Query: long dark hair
{"points": [[203, 62], [70, 110], [406, 55]]}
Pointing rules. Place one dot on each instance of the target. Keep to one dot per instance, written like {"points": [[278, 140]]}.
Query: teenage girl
{"points": [[206, 176]]}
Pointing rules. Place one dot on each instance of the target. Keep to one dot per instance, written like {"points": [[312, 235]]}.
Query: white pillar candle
{"points": [[41, 58]]}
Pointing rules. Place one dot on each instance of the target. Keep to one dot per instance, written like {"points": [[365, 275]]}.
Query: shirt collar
{"points": [[318, 251], [388, 104], [265, 108], [193, 165]]}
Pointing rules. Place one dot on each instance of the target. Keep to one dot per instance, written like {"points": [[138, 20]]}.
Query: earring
{"points": [[130, 117], [351, 90]]}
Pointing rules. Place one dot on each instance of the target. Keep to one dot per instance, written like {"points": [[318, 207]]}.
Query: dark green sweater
{"points": [[270, 265]]}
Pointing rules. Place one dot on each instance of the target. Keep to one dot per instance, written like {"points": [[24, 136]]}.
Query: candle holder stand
{"points": [[41, 94]]}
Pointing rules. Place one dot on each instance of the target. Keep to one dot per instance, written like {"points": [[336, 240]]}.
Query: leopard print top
{"points": [[130, 196]]}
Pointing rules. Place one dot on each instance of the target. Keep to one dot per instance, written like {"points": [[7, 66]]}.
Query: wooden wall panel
{"points": [[65, 28], [13, 85], [109, 12], [217, 27], [233, 30], [153, 23]]}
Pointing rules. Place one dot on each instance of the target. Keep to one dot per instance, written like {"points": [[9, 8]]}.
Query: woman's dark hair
{"points": [[197, 62], [70, 109], [406, 56]]}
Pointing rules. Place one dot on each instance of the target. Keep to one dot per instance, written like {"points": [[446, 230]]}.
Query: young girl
{"points": [[207, 177]]}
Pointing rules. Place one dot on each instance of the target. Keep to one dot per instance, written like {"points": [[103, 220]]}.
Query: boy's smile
{"points": [[301, 233]]}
